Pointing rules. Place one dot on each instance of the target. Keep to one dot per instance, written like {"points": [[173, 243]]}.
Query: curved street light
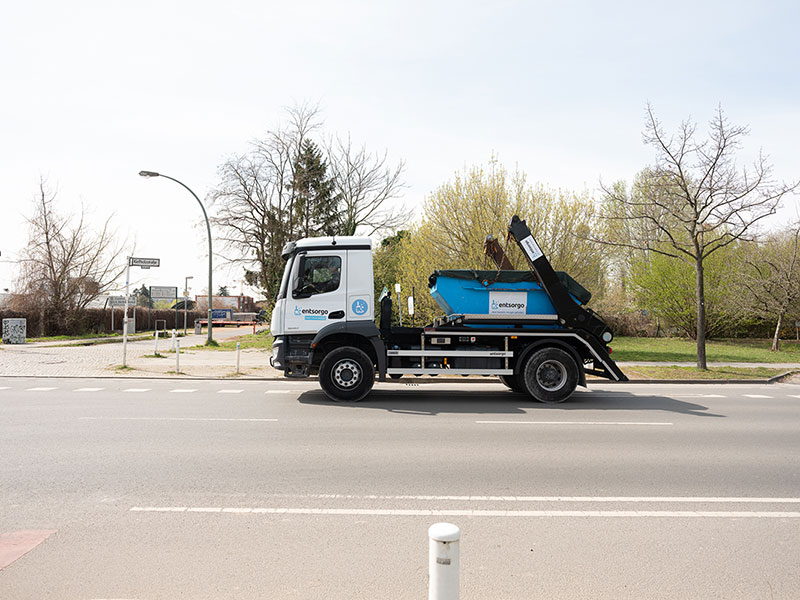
{"points": [[208, 227]]}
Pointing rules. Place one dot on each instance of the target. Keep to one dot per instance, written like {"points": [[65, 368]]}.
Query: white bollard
{"points": [[172, 348], [155, 350], [443, 541], [178, 358], [237, 357]]}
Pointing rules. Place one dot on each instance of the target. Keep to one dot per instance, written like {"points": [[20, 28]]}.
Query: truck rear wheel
{"points": [[550, 375], [512, 382], [346, 374]]}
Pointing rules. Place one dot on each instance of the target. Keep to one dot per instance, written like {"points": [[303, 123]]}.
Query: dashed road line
{"points": [[88, 389], [572, 423], [136, 390], [40, 389], [5, 387], [182, 391], [229, 391], [756, 396], [177, 419]]}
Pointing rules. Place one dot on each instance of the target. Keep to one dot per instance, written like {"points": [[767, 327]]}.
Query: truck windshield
{"points": [[285, 279]]}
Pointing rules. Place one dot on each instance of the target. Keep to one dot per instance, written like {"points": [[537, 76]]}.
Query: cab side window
{"points": [[320, 274]]}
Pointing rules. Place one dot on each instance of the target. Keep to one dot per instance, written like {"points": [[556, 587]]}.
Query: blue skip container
{"points": [[498, 294]]}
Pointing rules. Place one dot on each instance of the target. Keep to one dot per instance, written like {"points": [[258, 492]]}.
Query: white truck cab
{"points": [[326, 285]]}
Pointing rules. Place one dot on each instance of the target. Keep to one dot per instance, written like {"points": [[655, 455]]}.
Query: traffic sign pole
{"points": [[125, 318]]}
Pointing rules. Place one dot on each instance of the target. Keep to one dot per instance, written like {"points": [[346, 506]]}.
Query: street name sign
{"points": [[145, 263], [120, 300]]}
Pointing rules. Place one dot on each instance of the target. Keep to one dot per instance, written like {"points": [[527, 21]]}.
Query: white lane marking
{"points": [[137, 390], [182, 391], [421, 512], [5, 387], [88, 389], [695, 395], [40, 389], [570, 423], [205, 509], [281, 391], [585, 499], [756, 396], [175, 419], [229, 391]]}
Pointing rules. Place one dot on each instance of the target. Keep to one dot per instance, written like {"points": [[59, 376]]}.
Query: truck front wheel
{"points": [[346, 374], [550, 375]]}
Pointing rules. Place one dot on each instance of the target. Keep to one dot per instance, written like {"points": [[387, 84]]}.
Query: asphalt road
{"points": [[153, 489]]}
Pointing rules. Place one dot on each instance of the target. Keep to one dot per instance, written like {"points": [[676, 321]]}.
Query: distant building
{"points": [[235, 303]]}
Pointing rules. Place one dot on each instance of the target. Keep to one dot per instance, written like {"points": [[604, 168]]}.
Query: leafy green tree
{"points": [[665, 289], [770, 279], [222, 291], [459, 215]]}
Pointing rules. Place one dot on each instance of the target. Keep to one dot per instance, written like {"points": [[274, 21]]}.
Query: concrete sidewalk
{"points": [[53, 359]]}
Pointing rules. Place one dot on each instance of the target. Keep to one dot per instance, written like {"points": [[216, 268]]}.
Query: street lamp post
{"points": [[208, 227], [185, 299]]}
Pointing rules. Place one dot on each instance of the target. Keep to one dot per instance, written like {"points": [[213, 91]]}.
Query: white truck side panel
{"points": [[360, 289]]}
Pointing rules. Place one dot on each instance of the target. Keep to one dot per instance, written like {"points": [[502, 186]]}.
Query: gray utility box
{"points": [[15, 331]]}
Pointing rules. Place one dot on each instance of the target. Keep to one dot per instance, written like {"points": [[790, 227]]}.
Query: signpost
{"points": [[144, 263]]}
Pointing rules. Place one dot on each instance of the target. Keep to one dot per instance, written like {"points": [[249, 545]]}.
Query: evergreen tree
{"points": [[315, 204]]}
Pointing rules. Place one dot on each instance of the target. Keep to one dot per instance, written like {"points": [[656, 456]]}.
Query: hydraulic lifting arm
{"points": [[570, 313]]}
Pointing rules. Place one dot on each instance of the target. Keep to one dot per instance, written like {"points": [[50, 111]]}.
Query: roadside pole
{"points": [[125, 318], [237, 357]]}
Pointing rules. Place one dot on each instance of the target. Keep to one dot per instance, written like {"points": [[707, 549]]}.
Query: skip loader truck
{"points": [[530, 328]]}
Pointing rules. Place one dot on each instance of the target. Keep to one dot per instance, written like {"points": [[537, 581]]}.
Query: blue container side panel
{"points": [[462, 296]]}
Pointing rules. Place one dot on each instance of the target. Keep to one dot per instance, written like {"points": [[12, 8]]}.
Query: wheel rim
{"points": [[551, 375], [346, 374]]}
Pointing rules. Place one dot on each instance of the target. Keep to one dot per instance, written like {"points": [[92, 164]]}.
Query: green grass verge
{"points": [[685, 350], [721, 373], [260, 341]]}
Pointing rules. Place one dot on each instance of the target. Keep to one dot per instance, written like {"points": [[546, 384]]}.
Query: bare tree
{"points": [[65, 264], [366, 184], [771, 278], [694, 200], [283, 188], [255, 199]]}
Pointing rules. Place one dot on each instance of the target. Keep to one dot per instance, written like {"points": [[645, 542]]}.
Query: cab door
{"points": [[318, 291]]}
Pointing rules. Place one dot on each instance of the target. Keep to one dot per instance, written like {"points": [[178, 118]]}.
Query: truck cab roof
{"points": [[340, 242]]}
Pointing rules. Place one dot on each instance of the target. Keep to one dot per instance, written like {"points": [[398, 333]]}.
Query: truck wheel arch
{"points": [[552, 343], [360, 334]]}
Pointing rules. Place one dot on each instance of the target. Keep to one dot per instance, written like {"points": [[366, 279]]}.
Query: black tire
{"points": [[346, 374], [512, 382], [550, 375]]}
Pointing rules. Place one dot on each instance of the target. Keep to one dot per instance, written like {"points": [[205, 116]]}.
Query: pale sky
{"points": [[94, 92]]}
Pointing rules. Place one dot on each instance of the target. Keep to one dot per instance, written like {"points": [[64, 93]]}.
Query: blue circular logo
{"points": [[360, 307]]}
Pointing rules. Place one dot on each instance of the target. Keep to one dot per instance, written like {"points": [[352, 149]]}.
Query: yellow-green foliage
{"points": [[459, 214]]}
